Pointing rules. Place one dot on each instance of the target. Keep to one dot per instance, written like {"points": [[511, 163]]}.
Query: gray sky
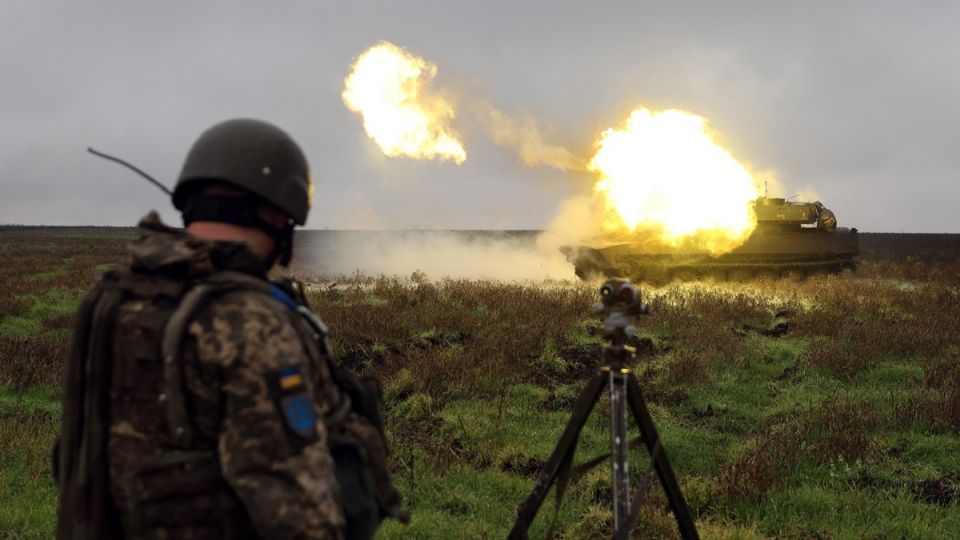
{"points": [[858, 101]]}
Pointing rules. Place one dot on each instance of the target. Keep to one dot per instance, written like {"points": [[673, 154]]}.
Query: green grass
{"points": [[44, 305], [459, 504], [510, 429], [927, 455], [49, 274], [836, 510], [29, 422]]}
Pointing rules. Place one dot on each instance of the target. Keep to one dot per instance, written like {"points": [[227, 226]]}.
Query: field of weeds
{"points": [[827, 408]]}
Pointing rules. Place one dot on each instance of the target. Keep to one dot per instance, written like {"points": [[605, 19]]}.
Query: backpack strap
{"points": [[174, 393], [317, 332], [85, 508]]}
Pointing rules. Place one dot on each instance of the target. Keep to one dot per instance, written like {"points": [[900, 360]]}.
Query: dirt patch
{"points": [[788, 373], [779, 326], [708, 412], [524, 466], [456, 508], [866, 481], [583, 355], [558, 402], [942, 490], [645, 346]]}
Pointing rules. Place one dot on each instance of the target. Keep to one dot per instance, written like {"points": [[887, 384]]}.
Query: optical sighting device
{"points": [[619, 300]]}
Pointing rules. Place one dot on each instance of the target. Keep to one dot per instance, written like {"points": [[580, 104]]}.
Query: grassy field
{"points": [[827, 408]]}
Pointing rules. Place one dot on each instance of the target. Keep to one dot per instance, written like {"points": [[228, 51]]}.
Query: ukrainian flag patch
{"points": [[295, 403], [289, 378]]}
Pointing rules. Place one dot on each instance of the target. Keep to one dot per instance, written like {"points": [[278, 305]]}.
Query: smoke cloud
{"points": [[577, 220], [498, 255], [523, 134]]}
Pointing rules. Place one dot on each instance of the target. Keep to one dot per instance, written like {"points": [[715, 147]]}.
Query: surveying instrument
{"points": [[619, 300]]}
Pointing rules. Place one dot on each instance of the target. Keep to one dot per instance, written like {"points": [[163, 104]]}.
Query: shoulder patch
{"points": [[295, 403], [289, 378]]}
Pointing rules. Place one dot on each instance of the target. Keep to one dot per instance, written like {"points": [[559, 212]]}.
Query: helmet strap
{"points": [[284, 245]]}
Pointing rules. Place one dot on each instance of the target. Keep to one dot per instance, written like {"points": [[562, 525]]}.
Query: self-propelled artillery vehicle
{"points": [[790, 239]]}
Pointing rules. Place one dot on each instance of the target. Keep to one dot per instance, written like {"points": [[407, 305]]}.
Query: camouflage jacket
{"points": [[256, 389]]}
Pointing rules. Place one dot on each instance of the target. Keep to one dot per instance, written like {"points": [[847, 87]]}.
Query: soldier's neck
{"points": [[258, 241]]}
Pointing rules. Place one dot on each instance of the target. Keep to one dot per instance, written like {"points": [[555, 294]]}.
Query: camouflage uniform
{"points": [[245, 467]]}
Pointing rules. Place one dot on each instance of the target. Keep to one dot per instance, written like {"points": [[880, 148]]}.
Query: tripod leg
{"points": [[562, 455], [620, 464], [660, 462]]}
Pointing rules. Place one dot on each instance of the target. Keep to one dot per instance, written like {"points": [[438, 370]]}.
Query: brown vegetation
{"points": [[835, 430], [452, 335], [943, 378]]}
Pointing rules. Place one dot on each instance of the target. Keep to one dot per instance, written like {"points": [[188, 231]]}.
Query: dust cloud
{"points": [[495, 255]]}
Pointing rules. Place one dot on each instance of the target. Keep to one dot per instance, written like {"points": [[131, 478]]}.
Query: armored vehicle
{"points": [[791, 239]]}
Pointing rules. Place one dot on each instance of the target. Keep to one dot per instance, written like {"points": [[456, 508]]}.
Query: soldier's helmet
{"points": [[253, 155]]}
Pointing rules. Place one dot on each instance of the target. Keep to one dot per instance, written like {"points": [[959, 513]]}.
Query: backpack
{"points": [[86, 507]]}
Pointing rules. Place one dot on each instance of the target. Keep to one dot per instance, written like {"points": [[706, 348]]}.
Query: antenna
{"points": [[149, 178], [765, 192]]}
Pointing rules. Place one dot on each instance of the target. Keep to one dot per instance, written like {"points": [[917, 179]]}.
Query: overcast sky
{"points": [[856, 101]]}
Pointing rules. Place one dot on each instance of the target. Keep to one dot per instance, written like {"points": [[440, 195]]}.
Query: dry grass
{"points": [[869, 320], [943, 378], [32, 361], [838, 429], [451, 335]]}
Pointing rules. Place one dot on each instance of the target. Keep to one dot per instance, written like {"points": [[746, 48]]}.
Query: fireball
{"points": [[662, 173], [390, 89]]}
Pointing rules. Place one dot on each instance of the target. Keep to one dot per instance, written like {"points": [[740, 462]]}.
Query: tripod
{"points": [[618, 300]]}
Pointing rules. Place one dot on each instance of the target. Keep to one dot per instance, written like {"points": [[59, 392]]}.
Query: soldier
{"points": [[826, 220], [200, 399]]}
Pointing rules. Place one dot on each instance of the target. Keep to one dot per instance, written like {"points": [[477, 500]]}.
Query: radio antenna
{"points": [[133, 168]]}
